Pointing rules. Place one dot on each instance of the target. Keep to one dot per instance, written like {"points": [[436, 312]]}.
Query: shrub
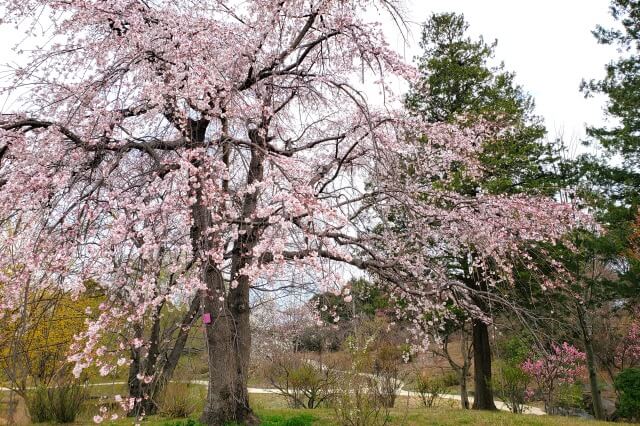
{"points": [[38, 405], [61, 404], [450, 379], [430, 388], [386, 367], [569, 396], [179, 400], [66, 402], [510, 385], [357, 401], [627, 384], [301, 382], [562, 365]]}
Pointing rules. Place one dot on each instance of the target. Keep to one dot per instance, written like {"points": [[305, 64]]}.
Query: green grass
{"points": [[405, 417], [273, 411]]}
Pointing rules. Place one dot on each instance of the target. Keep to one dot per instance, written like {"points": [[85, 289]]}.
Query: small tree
{"points": [[563, 365], [511, 381], [510, 386], [357, 400], [429, 387]]}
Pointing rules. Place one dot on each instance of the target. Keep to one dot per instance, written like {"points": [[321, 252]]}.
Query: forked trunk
{"points": [[228, 339], [483, 394], [228, 335], [157, 366]]}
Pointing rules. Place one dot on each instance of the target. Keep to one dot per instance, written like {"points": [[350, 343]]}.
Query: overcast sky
{"points": [[548, 43]]}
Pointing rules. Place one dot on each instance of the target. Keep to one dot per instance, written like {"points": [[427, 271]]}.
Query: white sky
{"points": [[547, 43]]}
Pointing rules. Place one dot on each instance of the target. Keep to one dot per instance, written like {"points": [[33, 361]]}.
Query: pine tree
{"points": [[459, 85]]}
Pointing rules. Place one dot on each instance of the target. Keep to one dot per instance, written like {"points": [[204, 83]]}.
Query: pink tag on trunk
{"points": [[206, 318]]}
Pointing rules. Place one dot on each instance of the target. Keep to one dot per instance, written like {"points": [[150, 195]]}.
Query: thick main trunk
{"points": [[483, 394], [596, 398], [226, 336], [228, 340], [239, 301]]}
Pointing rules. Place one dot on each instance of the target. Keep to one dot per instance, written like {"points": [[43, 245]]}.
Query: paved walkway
{"points": [[527, 409], [499, 404]]}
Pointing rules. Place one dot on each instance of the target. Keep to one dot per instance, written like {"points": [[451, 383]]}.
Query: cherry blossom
{"points": [[167, 149]]}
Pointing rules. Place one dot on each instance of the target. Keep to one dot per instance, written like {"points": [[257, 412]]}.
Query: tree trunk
{"points": [[483, 394], [238, 304], [464, 393], [146, 394], [464, 371], [140, 391], [144, 405], [461, 369], [596, 398], [228, 338]]}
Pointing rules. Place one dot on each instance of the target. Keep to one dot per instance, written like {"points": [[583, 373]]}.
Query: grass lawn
{"points": [[410, 417], [273, 412]]}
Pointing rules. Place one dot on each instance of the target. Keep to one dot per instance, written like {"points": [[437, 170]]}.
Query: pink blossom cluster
{"points": [[564, 364], [628, 350]]}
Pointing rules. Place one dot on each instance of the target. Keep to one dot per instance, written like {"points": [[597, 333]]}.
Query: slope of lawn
{"points": [[410, 417]]}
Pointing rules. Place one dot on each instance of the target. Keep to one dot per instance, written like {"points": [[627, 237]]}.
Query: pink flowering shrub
{"points": [[563, 365], [628, 350]]}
